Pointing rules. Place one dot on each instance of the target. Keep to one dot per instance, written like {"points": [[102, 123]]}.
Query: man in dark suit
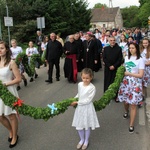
{"points": [[53, 54]]}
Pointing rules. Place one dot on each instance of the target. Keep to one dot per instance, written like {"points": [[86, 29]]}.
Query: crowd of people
{"points": [[86, 53]]}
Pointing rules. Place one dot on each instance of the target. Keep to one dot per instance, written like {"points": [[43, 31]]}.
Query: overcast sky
{"points": [[116, 3]]}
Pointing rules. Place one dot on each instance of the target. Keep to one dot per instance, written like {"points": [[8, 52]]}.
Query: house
{"points": [[106, 18]]}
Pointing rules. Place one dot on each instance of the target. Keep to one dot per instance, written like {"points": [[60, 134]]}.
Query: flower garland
{"points": [[59, 107], [22, 58]]}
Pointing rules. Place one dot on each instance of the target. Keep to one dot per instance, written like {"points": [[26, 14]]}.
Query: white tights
{"points": [[84, 136]]}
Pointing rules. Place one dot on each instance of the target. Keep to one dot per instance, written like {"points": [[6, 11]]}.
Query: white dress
{"points": [[85, 116], [6, 75]]}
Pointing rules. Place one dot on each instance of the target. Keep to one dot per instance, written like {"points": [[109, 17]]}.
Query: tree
{"points": [[144, 13], [142, 2], [99, 5], [127, 14], [65, 17]]}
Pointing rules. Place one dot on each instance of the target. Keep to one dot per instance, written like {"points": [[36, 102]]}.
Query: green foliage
{"points": [[142, 2], [62, 106], [127, 14], [23, 58], [139, 15], [99, 5], [144, 13], [65, 17]]}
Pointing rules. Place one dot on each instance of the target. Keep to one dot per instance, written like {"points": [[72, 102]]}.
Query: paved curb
{"points": [[148, 109]]}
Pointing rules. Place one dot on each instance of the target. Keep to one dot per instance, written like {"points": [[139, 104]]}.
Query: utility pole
{"points": [[8, 26], [0, 25], [0, 30]]}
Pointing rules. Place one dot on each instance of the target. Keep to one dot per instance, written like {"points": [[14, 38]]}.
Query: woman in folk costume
{"points": [[130, 91], [145, 53]]}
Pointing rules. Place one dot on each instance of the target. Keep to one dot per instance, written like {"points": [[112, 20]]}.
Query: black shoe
{"points": [[9, 139], [74, 82], [31, 80], [13, 145], [25, 82], [143, 98], [36, 75], [116, 100], [125, 116], [18, 88], [57, 79], [140, 104], [131, 129], [48, 81]]}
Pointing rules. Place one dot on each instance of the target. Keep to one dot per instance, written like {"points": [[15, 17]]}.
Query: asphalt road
{"points": [[58, 134]]}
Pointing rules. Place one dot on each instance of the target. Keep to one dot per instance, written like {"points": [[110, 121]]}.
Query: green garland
{"points": [[23, 58], [62, 106]]}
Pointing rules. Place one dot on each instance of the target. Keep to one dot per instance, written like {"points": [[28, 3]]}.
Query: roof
{"points": [[104, 15]]}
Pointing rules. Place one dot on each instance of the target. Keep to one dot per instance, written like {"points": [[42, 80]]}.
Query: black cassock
{"points": [[70, 65], [89, 54], [111, 56]]}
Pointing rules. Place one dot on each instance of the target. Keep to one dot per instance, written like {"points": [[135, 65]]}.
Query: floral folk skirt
{"points": [[130, 90]]}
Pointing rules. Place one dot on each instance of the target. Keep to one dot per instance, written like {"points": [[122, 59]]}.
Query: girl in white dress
{"points": [[130, 91], [85, 117], [9, 75], [29, 52], [15, 51], [123, 44], [43, 48], [145, 53]]}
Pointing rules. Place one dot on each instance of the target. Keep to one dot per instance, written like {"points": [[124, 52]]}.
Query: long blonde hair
{"points": [[148, 48]]}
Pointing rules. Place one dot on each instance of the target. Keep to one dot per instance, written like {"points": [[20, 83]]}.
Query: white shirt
{"points": [[85, 93], [31, 51], [143, 55], [133, 64], [43, 45], [15, 51], [124, 47]]}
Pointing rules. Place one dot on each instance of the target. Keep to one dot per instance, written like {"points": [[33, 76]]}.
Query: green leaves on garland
{"points": [[62, 106], [23, 58]]}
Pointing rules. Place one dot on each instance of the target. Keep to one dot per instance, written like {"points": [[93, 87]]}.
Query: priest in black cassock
{"points": [[112, 58], [89, 54], [71, 50]]}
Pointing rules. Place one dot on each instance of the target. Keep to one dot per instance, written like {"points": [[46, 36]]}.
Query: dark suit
{"points": [[53, 54]]}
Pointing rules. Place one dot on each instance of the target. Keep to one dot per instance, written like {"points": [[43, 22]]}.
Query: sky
{"points": [[115, 3]]}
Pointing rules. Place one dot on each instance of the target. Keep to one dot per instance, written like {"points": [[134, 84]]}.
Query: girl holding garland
{"points": [[130, 91], [85, 117], [10, 76]]}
